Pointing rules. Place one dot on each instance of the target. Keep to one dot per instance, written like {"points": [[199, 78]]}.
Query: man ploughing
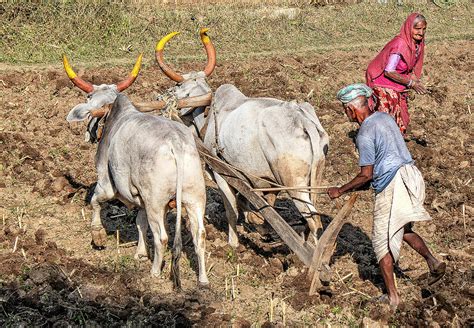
{"points": [[399, 186]]}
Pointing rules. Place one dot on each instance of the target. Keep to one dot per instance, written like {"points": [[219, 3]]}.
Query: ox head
{"points": [[98, 96], [194, 83]]}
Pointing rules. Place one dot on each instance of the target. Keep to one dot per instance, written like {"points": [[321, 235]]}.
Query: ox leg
{"points": [[232, 213], [156, 219], [142, 226], [196, 220], [308, 211], [99, 235]]}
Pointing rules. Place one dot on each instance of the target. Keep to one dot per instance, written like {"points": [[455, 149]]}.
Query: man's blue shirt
{"points": [[380, 143]]}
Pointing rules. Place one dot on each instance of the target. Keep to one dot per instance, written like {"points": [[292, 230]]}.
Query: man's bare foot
{"points": [[437, 271], [393, 301]]}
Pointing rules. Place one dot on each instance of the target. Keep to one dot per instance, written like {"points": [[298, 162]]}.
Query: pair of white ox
{"points": [[140, 157]]}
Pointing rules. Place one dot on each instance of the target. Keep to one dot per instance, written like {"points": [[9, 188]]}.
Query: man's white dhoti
{"points": [[401, 202]]}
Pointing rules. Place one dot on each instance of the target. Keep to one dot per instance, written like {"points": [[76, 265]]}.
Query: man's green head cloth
{"points": [[351, 92]]}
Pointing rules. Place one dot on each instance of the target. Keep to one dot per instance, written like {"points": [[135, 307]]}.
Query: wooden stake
{"points": [[65, 274], [226, 288], [358, 291], [233, 288], [118, 215], [346, 276], [283, 312], [271, 308], [79, 291], [129, 244], [464, 217], [118, 241], [210, 267], [15, 245], [348, 293], [341, 280]]}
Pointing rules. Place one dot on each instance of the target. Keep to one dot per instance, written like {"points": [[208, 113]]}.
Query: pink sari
{"points": [[389, 93]]}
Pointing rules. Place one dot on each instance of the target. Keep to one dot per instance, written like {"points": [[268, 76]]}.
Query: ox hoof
{"points": [[203, 284], [233, 241], [155, 274], [99, 238], [141, 257]]}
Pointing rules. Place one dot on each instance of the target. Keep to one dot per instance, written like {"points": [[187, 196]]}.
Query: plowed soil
{"points": [[50, 275]]}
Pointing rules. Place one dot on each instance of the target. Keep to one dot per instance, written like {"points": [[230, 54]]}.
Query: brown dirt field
{"points": [[47, 171]]}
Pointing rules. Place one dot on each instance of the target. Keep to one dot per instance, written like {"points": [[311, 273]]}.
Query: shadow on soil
{"points": [[50, 288]]}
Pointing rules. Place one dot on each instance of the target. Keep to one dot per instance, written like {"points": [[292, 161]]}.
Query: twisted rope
{"points": [[171, 110]]}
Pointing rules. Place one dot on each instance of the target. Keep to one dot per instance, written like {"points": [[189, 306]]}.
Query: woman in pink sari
{"points": [[397, 68]]}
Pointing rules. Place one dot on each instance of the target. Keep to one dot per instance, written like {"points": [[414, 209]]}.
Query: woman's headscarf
{"points": [[403, 44]]}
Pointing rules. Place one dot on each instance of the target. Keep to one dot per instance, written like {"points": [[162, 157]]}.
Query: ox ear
{"points": [[79, 113]]}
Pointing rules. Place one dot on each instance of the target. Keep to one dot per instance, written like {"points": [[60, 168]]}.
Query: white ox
{"points": [[145, 161], [270, 139]]}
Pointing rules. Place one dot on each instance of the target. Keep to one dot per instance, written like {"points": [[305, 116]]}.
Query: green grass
{"points": [[98, 32]]}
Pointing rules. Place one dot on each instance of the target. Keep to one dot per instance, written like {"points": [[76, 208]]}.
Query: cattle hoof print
{"points": [[97, 248]]}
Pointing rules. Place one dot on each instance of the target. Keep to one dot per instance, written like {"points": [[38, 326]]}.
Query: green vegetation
{"points": [[99, 31]]}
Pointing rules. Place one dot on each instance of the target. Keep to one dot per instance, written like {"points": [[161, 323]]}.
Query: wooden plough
{"points": [[315, 258]]}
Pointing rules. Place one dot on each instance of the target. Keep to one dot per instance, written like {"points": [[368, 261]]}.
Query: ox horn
{"points": [[159, 58], [78, 82], [132, 77], [210, 51]]}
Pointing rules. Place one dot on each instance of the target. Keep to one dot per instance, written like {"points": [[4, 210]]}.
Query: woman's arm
{"points": [[391, 73], [406, 80]]}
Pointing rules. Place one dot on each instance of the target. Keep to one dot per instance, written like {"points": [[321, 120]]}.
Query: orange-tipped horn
{"points": [[159, 58], [78, 82], [132, 77], [210, 51]]}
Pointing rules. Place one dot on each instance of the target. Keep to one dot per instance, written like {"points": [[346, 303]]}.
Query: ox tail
{"points": [[318, 141], [178, 243]]}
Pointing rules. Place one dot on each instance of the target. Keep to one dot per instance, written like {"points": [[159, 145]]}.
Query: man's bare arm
{"points": [[364, 176]]}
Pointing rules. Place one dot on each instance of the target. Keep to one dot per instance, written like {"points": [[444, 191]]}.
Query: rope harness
{"points": [[171, 110]]}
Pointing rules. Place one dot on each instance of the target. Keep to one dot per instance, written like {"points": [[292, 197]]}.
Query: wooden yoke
{"points": [[197, 101]]}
